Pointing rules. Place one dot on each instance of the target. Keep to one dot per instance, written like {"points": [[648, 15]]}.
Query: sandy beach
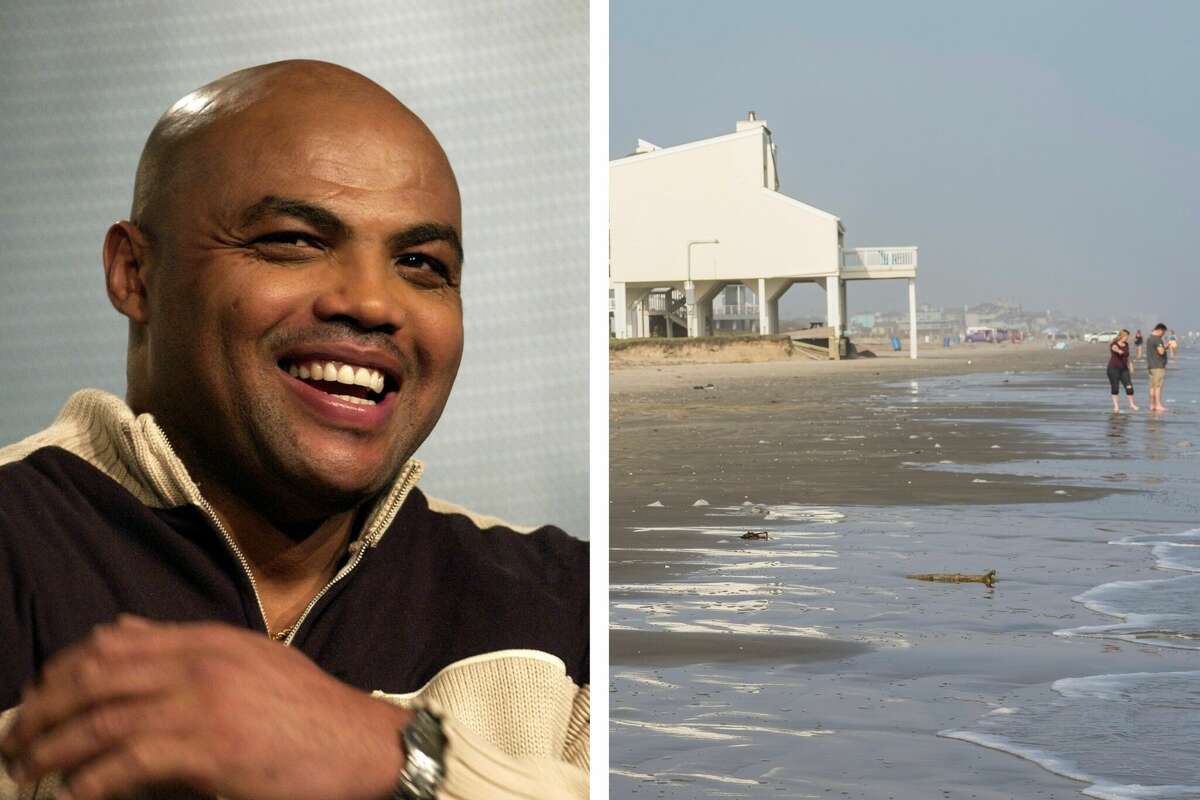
{"points": [[779, 428], [807, 664]]}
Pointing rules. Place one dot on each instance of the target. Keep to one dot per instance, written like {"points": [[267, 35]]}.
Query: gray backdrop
{"points": [[504, 85]]}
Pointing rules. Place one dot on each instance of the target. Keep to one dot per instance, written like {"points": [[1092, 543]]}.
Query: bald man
{"points": [[229, 583]]}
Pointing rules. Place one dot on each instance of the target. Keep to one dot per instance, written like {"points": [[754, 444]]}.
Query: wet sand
{"points": [[819, 433], [653, 648], [896, 660]]}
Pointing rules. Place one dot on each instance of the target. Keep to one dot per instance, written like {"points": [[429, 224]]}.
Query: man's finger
{"points": [[105, 643], [88, 682], [89, 735], [139, 763]]}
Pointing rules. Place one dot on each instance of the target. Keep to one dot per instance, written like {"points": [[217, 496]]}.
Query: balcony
{"points": [[879, 262], [731, 311]]}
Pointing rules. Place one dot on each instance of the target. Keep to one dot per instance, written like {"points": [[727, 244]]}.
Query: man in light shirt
{"points": [[1157, 354]]}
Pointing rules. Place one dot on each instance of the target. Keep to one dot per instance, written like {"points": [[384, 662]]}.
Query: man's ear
{"points": [[125, 266]]}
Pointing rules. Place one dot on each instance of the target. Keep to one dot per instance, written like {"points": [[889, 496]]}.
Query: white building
{"points": [[689, 220]]}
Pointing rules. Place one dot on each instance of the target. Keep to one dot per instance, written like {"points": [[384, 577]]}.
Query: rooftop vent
{"points": [[751, 121]]}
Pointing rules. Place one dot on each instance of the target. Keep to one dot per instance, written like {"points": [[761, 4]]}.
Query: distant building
{"points": [[862, 323], [690, 221]]}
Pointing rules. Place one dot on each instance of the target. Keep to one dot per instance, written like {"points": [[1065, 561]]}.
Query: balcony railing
{"points": [[880, 258], [666, 302], [660, 302], [727, 311]]}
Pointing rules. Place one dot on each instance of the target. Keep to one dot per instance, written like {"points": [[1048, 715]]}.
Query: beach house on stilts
{"points": [[688, 222]]}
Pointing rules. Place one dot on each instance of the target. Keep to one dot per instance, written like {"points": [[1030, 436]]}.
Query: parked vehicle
{"points": [[1103, 336], [980, 335]]}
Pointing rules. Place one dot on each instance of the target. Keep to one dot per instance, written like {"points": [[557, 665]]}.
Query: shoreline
{"points": [[862, 434]]}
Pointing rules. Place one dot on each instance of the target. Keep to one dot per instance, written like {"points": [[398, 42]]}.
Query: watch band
{"points": [[424, 767]]}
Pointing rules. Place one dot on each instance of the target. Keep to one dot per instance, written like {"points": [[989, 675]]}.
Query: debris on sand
{"points": [[987, 579], [755, 535], [700, 502], [655, 504]]}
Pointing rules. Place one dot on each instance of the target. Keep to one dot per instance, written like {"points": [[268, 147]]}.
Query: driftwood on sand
{"points": [[755, 535], [987, 579]]}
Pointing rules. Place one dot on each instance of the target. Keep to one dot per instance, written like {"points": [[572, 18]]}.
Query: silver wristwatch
{"points": [[424, 744]]}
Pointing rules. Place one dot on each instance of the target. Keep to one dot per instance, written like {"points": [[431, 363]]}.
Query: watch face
{"points": [[424, 732], [424, 744]]}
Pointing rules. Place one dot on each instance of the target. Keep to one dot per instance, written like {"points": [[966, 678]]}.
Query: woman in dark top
{"points": [[1118, 370]]}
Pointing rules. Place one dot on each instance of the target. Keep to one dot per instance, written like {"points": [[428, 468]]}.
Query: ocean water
{"points": [[1084, 659], [1131, 734], [1164, 612]]}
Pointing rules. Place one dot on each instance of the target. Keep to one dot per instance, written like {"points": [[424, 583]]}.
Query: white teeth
{"points": [[359, 401], [341, 373]]}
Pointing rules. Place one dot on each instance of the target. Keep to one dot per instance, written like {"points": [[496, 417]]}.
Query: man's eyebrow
{"points": [[331, 225], [425, 232], [324, 220]]}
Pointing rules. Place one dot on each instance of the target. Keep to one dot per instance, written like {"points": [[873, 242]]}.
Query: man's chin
{"points": [[331, 485], [336, 491]]}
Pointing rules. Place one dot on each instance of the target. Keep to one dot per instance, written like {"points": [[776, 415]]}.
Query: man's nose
{"points": [[363, 288]]}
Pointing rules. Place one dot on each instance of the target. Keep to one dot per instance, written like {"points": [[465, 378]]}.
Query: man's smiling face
{"points": [[305, 321]]}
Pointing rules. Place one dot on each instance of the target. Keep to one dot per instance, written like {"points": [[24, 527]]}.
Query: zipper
{"points": [[412, 472], [368, 538], [237, 552]]}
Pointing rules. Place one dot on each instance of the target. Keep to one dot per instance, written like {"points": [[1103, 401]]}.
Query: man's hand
{"points": [[218, 709]]}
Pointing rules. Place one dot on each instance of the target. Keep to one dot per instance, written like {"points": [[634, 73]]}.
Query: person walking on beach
{"points": [[1118, 371], [1138, 342], [1156, 365]]}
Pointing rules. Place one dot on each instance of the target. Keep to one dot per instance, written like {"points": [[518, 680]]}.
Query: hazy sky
{"points": [[1043, 153]]}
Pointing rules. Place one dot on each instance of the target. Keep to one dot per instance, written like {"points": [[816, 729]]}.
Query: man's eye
{"points": [[288, 238], [430, 268]]}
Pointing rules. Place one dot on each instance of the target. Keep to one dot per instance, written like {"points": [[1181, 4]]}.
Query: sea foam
{"points": [[1102, 715], [1163, 612]]}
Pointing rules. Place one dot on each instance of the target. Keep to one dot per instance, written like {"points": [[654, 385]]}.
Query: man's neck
{"points": [[291, 558], [290, 565]]}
